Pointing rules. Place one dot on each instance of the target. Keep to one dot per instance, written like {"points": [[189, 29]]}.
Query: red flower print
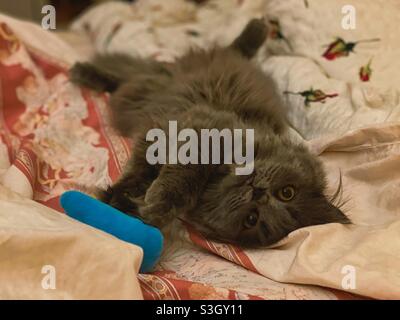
{"points": [[275, 32], [312, 95], [365, 72], [340, 48]]}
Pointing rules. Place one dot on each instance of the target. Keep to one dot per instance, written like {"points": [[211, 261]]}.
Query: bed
{"points": [[343, 104]]}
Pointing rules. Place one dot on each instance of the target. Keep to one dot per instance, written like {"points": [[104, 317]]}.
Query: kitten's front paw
{"points": [[157, 214], [159, 206], [156, 195], [118, 199]]}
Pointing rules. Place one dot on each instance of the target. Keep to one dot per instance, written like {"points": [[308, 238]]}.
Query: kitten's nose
{"points": [[260, 195]]}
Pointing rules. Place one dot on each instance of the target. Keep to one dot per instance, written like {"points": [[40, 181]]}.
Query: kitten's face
{"points": [[284, 193]]}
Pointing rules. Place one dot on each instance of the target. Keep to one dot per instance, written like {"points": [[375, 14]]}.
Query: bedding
{"points": [[56, 137], [43, 254], [46, 255]]}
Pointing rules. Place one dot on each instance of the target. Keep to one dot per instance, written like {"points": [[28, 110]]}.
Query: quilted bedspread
{"points": [[342, 97]]}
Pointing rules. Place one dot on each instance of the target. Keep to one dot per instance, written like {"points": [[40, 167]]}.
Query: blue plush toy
{"points": [[104, 217]]}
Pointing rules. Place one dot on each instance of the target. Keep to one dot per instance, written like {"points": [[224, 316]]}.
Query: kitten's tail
{"points": [[106, 72], [251, 38]]}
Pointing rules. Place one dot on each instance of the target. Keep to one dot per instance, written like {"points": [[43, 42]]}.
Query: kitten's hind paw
{"points": [[251, 38]]}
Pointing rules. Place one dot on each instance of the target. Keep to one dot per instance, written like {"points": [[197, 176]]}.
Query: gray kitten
{"points": [[217, 88]]}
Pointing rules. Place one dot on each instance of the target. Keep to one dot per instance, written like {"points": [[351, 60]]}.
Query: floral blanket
{"points": [[56, 137]]}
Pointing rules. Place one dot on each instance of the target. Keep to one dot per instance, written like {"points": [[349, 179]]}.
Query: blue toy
{"points": [[104, 217]]}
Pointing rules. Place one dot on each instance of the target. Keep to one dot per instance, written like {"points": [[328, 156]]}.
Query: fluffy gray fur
{"points": [[218, 88]]}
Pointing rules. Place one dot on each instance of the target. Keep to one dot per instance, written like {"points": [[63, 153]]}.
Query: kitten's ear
{"points": [[251, 38]]}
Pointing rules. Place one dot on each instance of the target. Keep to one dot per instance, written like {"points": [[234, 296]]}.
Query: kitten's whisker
{"points": [[339, 191], [337, 198]]}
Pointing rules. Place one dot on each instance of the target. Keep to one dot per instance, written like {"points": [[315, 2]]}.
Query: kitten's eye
{"points": [[251, 220], [286, 193]]}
